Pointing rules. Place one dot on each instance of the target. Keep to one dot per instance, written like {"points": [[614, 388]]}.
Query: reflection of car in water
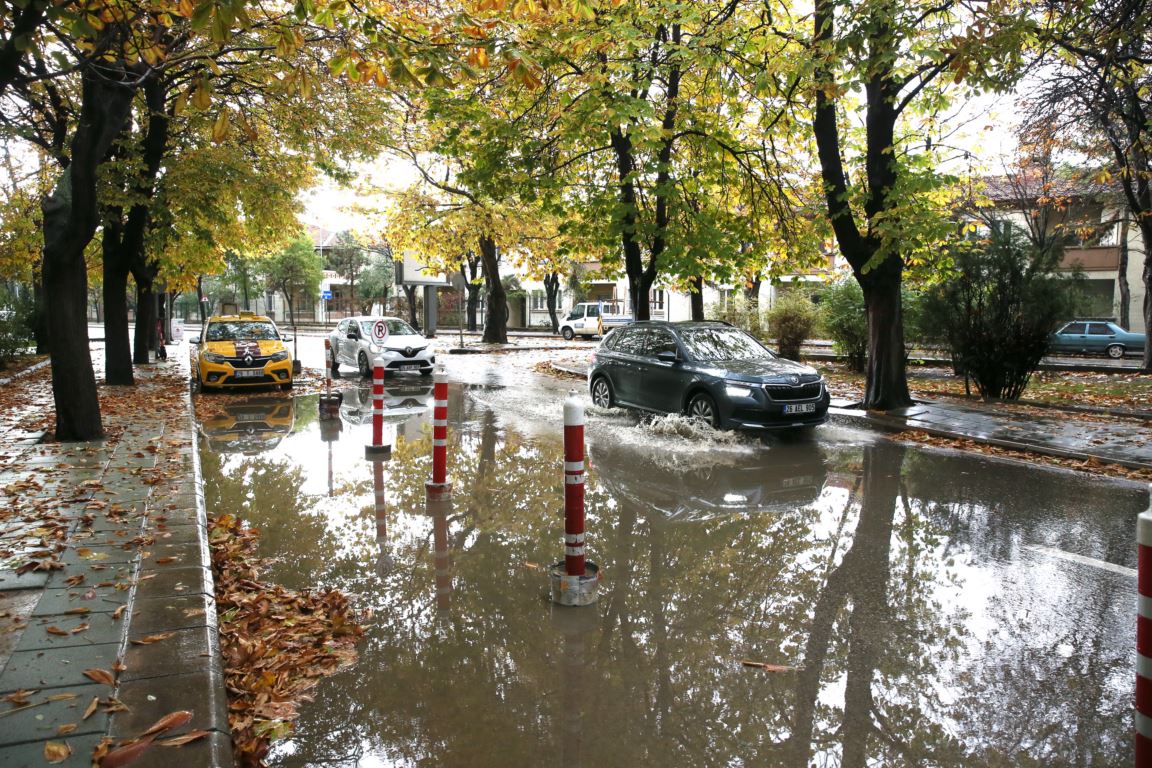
{"points": [[401, 400], [785, 477], [249, 426]]}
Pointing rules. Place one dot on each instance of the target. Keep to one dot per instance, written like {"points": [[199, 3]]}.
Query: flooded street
{"points": [[833, 599]]}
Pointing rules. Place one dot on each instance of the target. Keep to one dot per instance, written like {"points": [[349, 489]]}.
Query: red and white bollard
{"points": [[577, 582], [1144, 640], [377, 448], [439, 487]]}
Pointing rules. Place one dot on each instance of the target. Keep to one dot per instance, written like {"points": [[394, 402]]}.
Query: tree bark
{"points": [[71, 214], [201, 305], [144, 339], [696, 297], [886, 379], [1122, 276], [117, 340], [496, 311], [552, 297], [470, 270]]}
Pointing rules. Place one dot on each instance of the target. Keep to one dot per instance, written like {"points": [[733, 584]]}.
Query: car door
{"points": [[627, 354], [339, 340], [1098, 337], [1070, 338], [661, 381]]}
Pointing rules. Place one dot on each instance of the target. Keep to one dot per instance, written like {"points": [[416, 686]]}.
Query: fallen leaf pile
{"points": [[277, 643], [548, 368]]}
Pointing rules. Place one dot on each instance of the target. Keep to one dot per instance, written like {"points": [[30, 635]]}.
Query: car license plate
{"points": [[410, 366], [800, 408], [249, 374]]}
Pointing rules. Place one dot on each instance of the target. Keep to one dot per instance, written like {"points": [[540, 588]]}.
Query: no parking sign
{"points": [[380, 331]]}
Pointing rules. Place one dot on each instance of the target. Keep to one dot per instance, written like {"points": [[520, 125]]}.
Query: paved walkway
{"points": [[105, 582]]}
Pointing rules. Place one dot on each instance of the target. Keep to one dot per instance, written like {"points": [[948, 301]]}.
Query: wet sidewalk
{"points": [[1126, 442], [107, 614]]}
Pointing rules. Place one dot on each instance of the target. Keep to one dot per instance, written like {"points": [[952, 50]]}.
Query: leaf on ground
{"points": [[150, 639], [57, 752], [125, 754], [100, 676], [187, 738], [171, 720]]}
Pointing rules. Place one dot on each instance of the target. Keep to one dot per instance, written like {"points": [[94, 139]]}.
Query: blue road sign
{"points": [[326, 295]]}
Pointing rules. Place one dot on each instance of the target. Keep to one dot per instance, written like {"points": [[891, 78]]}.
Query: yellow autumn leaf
{"points": [[220, 127]]}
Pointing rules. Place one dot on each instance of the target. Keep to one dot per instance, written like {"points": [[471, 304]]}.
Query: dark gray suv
{"points": [[711, 371]]}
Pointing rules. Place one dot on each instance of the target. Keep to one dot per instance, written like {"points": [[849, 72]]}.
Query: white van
{"points": [[593, 318]]}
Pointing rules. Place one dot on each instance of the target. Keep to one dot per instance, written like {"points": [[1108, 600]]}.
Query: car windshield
{"points": [[395, 327], [242, 330], [722, 344]]}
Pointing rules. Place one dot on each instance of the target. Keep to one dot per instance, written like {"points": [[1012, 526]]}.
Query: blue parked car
{"points": [[709, 371], [1096, 337]]}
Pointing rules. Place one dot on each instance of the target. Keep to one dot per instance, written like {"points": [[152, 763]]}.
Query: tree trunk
{"points": [[117, 340], [552, 297], [410, 295], [886, 372], [496, 311], [71, 214], [40, 313], [696, 297], [1122, 276], [201, 305], [145, 335]]}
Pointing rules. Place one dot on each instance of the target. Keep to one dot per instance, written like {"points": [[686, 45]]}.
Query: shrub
{"points": [[997, 310], [791, 320], [15, 327], [842, 319]]}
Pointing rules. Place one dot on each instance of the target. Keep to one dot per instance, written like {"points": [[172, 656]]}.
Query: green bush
{"points": [[842, 319], [996, 310], [791, 321], [16, 336]]}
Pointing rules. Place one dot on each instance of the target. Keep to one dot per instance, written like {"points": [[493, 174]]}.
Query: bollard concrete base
{"points": [[575, 590], [438, 491], [378, 451]]}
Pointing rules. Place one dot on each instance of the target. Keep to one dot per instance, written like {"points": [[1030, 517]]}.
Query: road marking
{"points": [[1102, 564]]}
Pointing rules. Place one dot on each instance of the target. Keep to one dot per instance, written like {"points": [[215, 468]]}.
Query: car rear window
{"points": [[722, 343], [631, 341], [1099, 329], [242, 330]]}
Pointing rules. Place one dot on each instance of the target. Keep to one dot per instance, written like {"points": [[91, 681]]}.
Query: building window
{"points": [[539, 301], [656, 300]]}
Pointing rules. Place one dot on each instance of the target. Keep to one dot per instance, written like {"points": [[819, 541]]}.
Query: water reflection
{"points": [[250, 426], [893, 593]]}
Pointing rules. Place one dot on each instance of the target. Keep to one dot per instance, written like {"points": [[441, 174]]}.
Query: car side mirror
{"points": [[286, 338], [667, 357], [353, 335]]}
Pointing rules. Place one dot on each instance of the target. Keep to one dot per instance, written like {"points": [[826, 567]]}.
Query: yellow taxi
{"points": [[244, 350]]}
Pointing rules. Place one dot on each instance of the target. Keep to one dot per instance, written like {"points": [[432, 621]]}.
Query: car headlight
{"points": [[212, 357], [737, 390], [278, 356]]}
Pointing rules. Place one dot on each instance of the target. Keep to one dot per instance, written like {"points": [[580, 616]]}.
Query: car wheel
{"points": [[1115, 351], [286, 387], [364, 366], [703, 408], [567, 334], [602, 393]]}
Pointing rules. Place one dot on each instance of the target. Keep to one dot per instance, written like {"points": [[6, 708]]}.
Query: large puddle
{"points": [[837, 600]]}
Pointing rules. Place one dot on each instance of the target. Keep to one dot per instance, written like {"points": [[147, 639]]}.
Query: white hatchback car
{"points": [[359, 341]]}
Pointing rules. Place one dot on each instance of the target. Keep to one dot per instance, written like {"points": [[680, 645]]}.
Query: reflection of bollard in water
{"points": [[1144, 639], [575, 581], [384, 561], [377, 448], [439, 509], [438, 486], [330, 432], [573, 627]]}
